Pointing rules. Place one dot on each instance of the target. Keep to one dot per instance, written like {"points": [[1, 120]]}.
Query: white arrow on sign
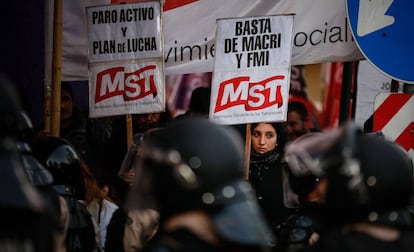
{"points": [[371, 16]]}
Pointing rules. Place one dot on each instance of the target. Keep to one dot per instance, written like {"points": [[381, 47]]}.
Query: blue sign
{"points": [[384, 32]]}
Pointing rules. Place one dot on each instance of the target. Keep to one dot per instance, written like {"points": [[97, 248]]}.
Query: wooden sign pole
{"points": [[247, 148], [56, 68]]}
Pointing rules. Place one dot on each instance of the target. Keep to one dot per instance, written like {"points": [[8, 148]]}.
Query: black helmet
{"points": [[373, 177], [194, 164], [367, 175], [301, 181], [25, 129], [25, 219], [133, 152], [61, 160], [16, 192], [37, 174]]}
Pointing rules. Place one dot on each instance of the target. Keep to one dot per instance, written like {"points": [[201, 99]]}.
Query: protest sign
{"points": [[252, 69], [126, 64]]}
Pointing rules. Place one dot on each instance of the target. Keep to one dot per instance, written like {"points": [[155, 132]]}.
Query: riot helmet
{"points": [[373, 177], [133, 152], [301, 180], [25, 220], [25, 223], [15, 191], [367, 175], [37, 174], [25, 129], [194, 164], [62, 161]]}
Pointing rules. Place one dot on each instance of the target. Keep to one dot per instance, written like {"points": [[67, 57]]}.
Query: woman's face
{"points": [[264, 138]]}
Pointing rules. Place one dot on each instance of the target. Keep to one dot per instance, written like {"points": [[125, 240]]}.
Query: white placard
{"points": [[126, 59], [124, 31], [126, 88], [252, 69], [321, 32]]}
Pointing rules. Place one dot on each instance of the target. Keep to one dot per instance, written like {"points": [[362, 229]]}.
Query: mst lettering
{"points": [[253, 95]]}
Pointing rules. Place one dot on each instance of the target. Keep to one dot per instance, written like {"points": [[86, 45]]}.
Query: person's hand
{"points": [[313, 238]]}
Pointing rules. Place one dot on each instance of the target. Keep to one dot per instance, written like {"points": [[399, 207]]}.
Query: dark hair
{"points": [[200, 100], [67, 87], [300, 108], [280, 131]]}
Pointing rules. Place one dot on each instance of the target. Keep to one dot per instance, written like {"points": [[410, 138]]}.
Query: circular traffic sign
{"points": [[383, 32]]}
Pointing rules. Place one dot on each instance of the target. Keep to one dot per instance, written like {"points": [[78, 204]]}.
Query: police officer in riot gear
{"points": [[301, 228], [37, 174], [42, 179], [365, 186], [192, 174], [62, 161], [25, 223]]}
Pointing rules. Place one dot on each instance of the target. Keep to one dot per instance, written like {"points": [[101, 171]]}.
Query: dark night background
{"points": [[22, 54]]}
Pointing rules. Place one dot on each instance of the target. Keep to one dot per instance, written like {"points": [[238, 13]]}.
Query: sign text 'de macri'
{"points": [[256, 38]]}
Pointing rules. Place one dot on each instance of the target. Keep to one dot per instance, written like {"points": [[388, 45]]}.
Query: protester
{"points": [[366, 183], [117, 146], [199, 103], [98, 201], [265, 171], [192, 174], [297, 120], [72, 120]]}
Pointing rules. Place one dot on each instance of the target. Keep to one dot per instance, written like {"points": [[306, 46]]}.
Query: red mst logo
{"points": [[132, 86], [253, 95]]}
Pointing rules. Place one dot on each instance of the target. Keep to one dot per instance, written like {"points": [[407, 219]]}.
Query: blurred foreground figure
{"points": [[301, 228], [62, 161], [42, 180], [130, 230], [25, 224], [364, 187], [192, 174]]}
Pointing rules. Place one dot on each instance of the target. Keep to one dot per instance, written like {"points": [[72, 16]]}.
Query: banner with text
{"points": [[321, 32], [252, 69], [126, 59]]}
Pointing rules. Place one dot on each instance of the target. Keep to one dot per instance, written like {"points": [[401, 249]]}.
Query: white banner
{"points": [[321, 32], [252, 69]]}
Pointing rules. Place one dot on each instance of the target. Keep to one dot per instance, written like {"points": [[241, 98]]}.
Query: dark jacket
{"points": [[265, 175]]}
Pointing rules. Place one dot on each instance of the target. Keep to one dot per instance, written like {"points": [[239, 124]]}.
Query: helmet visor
{"points": [[127, 163], [305, 158], [306, 155]]}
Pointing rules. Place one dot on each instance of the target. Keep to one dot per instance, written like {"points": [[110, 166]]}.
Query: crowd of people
{"points": [[182, 186]]}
